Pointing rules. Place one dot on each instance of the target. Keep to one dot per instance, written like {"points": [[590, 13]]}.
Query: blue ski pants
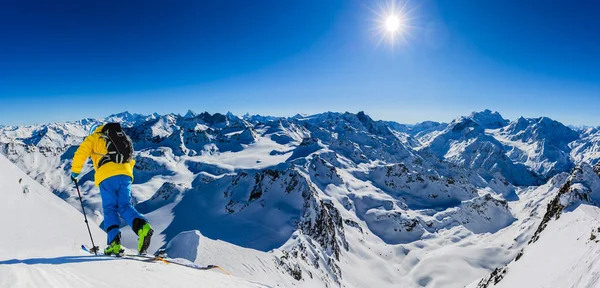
{"points": [[116, 200]]}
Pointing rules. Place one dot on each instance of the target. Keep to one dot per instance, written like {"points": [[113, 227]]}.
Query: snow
{"points": [[540, 143], [41, 242], [255, 156], [326, 200], [243, 262], [587, 148], [488, 119], [566, 257]]}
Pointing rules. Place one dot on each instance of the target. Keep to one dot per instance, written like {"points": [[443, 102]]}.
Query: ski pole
{"points": [[95, 249]]}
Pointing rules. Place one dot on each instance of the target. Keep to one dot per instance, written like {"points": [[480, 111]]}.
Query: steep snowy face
{"points": [[538, 129], [525, 152], [541, 144], [587, 148], [25, 204], [465, 143], [583, 186]]}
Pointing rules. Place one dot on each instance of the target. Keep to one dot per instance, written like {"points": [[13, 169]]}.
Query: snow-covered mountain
{"points": [[541, 144], [333, 199], [468, 143], [587, 147]]}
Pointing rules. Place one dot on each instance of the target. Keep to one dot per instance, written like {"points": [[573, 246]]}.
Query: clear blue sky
{"points": [[67, 60]]}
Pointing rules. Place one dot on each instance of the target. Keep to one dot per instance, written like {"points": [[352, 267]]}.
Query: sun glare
{"points": [[392, 23]]}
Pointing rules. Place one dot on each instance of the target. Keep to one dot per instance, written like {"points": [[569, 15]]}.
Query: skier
{"points": [[111, 152]]}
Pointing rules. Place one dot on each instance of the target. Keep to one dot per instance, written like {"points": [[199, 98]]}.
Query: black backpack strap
{"points": [[105, 135], [103, 161]]}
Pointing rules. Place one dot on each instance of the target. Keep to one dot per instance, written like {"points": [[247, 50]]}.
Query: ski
{"points": [[159, 257], [124, 256], [181, 263]]}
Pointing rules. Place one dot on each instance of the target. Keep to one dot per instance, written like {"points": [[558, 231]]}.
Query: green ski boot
{"points": [[114, 248], [144, 234]]}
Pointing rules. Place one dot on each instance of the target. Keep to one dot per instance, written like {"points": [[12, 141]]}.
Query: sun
{"points": [[392, 22]]}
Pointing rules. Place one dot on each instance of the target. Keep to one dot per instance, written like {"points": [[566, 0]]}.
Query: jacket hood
{"points": [[96, 129]]}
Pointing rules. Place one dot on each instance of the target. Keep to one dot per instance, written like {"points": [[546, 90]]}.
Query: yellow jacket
{"points": [[95, 146]]}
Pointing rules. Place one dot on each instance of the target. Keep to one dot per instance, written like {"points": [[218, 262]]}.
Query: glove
{"points": [[74, 176]]}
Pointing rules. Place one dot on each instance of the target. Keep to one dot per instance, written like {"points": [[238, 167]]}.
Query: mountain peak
{"points": [[300, 115], [489, 119], [364, 118], [190, 114], [230, 115], [124, 114], [548, 121], [123, 117]]}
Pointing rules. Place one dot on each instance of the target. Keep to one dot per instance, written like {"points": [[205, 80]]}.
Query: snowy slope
{"points": [[567, 258], [564, 250], [40, 243]]}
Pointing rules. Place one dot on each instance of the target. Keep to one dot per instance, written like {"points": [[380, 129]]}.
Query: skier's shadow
{"points": [[56, 260]]}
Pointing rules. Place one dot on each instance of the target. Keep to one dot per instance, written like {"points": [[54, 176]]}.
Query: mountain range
{"points": [[340, 199]]}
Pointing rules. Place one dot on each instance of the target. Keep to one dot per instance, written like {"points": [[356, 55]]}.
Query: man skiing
{"points": [[111, 152]]}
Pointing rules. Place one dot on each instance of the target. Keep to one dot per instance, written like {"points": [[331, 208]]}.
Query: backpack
{"points": [[118, 144]]}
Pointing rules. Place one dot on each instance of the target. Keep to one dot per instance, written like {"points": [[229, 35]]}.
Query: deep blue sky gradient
{"points": [[66, 60]]}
